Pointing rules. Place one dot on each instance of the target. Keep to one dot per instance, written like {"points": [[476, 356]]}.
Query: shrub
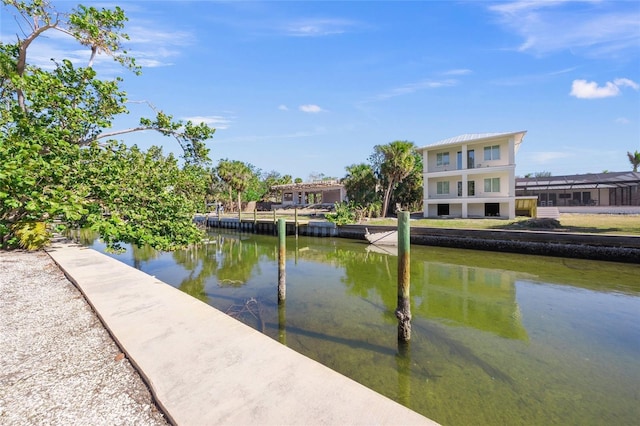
{"points": [[344, 214]]}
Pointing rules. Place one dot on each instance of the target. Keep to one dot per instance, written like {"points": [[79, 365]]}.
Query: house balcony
{"points": [[479, 169], [480, 198]]}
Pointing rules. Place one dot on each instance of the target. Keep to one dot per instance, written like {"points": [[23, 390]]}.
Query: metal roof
{"points": [[585, 181], [319, 185], [474, 137]]}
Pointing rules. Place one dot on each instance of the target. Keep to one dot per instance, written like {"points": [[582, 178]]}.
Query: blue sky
{"points": [[311, 87]]}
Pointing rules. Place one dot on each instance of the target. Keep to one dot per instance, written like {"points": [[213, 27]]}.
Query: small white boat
{"points": [[386, 238]]}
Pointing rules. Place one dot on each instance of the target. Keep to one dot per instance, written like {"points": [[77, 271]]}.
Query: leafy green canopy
{"points": [[59, 163], [392, 176], [235, 180]]}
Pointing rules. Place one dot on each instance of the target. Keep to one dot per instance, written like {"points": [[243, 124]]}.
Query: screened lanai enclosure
{"points": [[593, 189]]}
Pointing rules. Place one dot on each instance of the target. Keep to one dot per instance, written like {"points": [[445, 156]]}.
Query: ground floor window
{"points": [[443, 209], [287, 196], [492, 209]]}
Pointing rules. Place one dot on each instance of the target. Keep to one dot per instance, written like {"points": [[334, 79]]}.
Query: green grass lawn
{"points": [[580, 223]]}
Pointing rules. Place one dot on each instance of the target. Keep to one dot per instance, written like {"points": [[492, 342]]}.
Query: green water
{"points": [[496, 338]]}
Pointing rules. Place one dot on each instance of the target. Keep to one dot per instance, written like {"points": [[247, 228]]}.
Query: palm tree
{"points": [[236, 175], [360, 184], [634, 159], [394, 162]]}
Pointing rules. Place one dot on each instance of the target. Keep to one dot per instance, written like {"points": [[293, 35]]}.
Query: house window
{"points": [[492, 152], [442, 159], [459, 189], [471, 188], [442, 188], [492, 185]]}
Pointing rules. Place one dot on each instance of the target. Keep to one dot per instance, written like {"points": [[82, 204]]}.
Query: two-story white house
{"points": [[471, 175]]}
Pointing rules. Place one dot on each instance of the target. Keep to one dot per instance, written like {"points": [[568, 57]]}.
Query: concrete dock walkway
{"points": [[205, 367]]}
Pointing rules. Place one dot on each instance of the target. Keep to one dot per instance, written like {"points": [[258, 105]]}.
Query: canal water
{"points": [[497, 338]]}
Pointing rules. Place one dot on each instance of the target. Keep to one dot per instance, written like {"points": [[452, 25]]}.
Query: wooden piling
{"points": [[282, 246], [296, 221], [275, 223], [403, 366], [403, 310], [282, 323]]}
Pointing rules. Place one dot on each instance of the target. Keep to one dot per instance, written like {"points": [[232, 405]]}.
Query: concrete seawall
{"points": [[317, 228], [204, 367], [617, 248]]}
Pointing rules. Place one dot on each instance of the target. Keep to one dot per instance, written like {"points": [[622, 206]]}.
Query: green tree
{"points": [[392, 162], [255, 190], [360, 184], [409, 192], [236, 175], [634, 159], [57, 159]]}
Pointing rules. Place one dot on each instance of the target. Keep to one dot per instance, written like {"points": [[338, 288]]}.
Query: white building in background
{"points": [[320, 193], [471, 175]]}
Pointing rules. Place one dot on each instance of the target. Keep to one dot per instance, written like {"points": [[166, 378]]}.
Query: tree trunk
{"points": [[230, 200], [385, 201]]}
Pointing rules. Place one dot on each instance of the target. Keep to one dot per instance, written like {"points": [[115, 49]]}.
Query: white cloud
{"points": [[147, 34], [275, 137], [318, 27], [622, 120], [310, 108], [216, 121], [583, 89], [621, 82], [458, 72], [414, 87], [589, 28], [531, 78], [283, 108], [151, 48], [545, 157]]}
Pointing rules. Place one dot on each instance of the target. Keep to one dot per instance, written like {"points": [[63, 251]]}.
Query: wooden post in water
{"points": [[403, 311], [282, 322], [255, 220], [275, 223], [282, 246], [403, 366], [296, 221]]}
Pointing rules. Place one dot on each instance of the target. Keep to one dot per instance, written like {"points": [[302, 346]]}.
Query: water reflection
{"points": [[536, 340], [468, 296]]}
